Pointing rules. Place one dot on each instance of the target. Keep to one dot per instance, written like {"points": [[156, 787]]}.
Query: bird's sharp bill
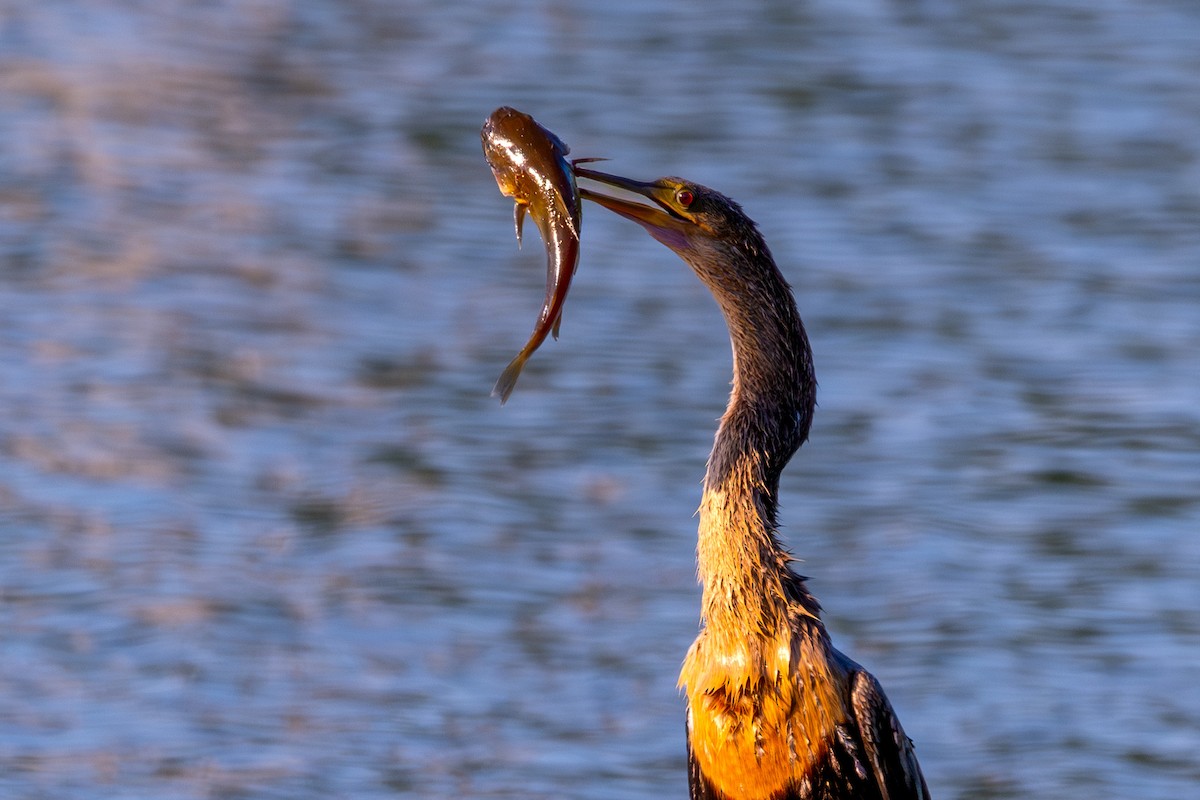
{"points": [[669, 228]]}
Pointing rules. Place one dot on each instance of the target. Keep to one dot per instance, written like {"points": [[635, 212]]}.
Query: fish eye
{"points": [[684, 197]]}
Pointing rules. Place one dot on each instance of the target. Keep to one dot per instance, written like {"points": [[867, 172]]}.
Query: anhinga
{"points": [[774, 711]]}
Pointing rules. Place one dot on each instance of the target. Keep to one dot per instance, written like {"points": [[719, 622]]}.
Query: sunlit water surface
{"points": [[265, 534]]}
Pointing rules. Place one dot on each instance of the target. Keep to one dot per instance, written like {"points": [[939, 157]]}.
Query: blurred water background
{"points": [[264, 534]]}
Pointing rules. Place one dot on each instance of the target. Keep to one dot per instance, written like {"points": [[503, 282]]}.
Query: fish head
{"points": [[529, 164]]}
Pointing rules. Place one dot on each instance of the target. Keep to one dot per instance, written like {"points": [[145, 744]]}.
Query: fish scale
{"points": [[530, 166]]}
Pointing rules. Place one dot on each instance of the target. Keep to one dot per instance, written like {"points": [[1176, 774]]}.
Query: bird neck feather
{"points": [[742, 565]]}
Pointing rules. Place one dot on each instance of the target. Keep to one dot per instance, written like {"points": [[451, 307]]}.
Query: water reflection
{"points": [[266, 535]]}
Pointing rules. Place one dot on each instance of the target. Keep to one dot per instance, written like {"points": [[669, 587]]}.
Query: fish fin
{"points": [[519, 219], [560, 203], [557, 324], [508, 378]]}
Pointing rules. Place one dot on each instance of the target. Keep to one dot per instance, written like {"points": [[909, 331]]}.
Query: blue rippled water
{"points": [[263, 533]]}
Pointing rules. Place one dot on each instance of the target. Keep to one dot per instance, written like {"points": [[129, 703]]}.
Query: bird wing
{"points": [[889, 751]]}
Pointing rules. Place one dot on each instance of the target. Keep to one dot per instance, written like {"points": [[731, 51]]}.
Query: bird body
{"points": [[762, 693], [775, 712]]}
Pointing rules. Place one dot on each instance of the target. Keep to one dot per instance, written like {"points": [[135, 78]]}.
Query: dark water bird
{"points": [[774, 711], [530, 166]]}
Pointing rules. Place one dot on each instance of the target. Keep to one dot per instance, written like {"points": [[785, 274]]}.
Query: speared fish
{"points": [[530, 166]]}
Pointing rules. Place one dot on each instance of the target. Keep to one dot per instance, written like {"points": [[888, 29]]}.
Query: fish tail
{"points": [[508, 378]]}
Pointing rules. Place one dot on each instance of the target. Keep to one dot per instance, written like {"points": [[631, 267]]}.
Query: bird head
{"points": [[685, 216]]}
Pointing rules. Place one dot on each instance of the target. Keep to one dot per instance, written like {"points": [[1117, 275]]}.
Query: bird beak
{"points": [[661, 222]]}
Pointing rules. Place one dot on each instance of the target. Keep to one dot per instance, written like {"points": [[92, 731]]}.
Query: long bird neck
{"points": [[743, 568]]}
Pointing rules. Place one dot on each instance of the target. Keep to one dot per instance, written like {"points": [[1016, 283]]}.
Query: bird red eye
{"points": [[684, 197]]}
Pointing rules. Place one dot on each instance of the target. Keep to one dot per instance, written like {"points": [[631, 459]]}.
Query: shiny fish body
{"points": [[530, 166]]}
